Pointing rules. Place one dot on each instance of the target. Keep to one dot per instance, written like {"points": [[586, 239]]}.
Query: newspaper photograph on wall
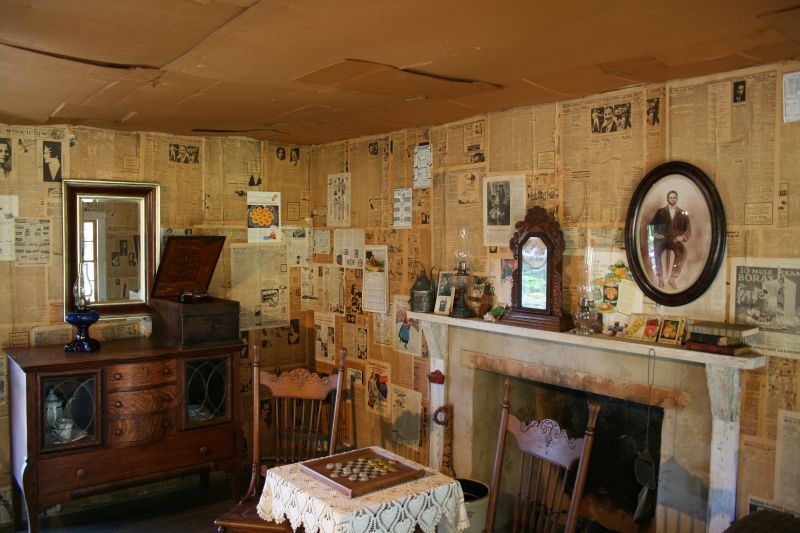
{"points": [[766, 292]]}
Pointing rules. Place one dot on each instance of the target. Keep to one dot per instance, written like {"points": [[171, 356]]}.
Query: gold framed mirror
{"points": [[110, 244]]}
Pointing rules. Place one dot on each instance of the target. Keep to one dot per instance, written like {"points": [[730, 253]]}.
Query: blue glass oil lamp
{"points": [[82, 317]]}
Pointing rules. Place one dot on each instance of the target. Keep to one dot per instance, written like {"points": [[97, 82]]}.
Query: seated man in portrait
{"points": [[671, 229]]}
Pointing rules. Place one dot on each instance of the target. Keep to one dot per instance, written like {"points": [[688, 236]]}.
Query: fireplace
{"points": [[699, 393]]}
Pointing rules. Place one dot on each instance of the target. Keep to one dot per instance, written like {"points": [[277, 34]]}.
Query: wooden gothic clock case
{"points": [[538, 247]]}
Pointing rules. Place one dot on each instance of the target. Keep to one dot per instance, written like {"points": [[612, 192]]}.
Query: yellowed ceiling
{"points": [[311, 71]]}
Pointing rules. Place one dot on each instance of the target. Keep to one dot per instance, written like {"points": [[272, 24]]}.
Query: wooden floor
{"points": [[170, 515]]}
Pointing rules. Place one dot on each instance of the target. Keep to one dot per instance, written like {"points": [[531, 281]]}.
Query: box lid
{"points": [[187, 264]]}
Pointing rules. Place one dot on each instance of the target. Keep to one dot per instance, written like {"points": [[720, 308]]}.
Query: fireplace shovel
{"points": [[644, 467]]}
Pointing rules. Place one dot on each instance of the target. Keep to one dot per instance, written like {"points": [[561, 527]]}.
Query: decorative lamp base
{"points": [[586, 321], [82, 318], [460, 307]]}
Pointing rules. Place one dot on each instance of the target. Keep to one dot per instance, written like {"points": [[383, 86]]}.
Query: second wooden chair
{"points": [[548, 458]]}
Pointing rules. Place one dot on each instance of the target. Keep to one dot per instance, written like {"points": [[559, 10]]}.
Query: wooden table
{"points": [[434, 499]]}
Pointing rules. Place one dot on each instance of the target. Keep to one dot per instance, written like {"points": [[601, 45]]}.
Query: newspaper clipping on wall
{"points": [[348, 248], [401, 208], [298, 245], [325, 337], [718, 124], [325, 289], [355, 338], [766, 293], [263, 216], [423, 163], [503, 206], [787, 459], [339, 200], [376, 285], [406, 413], [32, 241], [9, 210], [379, 378], [260, 283], [602, 155], [408, 331]]}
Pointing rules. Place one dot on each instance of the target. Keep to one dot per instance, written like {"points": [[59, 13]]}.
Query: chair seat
{"points": [[243, 518], [765, 521]]}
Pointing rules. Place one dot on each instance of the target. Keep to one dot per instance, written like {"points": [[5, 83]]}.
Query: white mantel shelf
{"points": [[723, 376], [746, 361]]}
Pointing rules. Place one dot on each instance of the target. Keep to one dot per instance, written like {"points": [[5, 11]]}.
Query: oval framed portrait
{"points": [[675, 233]]}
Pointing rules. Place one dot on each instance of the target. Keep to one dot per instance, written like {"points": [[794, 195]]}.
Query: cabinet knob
{"points": [[118, 376], [118, 432], [203, 450], [147, 371], [167, 423], [80, 473], [118, 404], [167, 371]]}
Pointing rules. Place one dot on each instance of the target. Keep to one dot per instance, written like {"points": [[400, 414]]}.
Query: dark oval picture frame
{"points": [[675, 253]]}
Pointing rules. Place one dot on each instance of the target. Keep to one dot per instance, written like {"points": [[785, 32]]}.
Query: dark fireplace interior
{"points": [[612, 492]]}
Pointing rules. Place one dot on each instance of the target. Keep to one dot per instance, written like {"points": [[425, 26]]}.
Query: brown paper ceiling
{"points": [[313, 72]]}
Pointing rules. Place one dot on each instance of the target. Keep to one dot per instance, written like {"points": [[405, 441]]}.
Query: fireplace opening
{"points": [[611, 483], [612, 492]]}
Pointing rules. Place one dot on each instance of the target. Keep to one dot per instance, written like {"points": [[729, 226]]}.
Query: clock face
{"points": [[534, 274]]}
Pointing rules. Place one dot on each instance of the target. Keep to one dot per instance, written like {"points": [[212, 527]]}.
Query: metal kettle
{"points": [[423, 294]]}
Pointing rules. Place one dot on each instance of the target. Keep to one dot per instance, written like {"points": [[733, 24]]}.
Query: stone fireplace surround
{"points": [[699, 392]]}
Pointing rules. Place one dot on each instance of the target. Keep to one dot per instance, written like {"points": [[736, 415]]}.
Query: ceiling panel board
{"points": [[572, 83], [140, 32], [785, 21], [297, 70], [514, 94]]}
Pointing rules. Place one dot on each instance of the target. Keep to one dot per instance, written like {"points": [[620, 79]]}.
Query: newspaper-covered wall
{"points": [[581, 160]]}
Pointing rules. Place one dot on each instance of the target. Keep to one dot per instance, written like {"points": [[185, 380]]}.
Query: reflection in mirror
{"points": [[534, 274], [112, 266], [110, 248]]}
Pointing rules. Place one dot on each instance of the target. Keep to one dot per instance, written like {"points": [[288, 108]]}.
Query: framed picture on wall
{"points": [[675, 233]]}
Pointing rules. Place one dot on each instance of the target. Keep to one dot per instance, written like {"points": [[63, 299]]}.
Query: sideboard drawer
{"points": [[140, 374], [66, 472], [122, 404], [141, 429]]}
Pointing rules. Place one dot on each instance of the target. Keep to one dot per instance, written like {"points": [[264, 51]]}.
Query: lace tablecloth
{"points": [[432, 499]]}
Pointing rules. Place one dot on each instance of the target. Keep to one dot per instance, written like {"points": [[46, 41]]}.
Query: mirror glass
{"points": [[111, 256], [534, 274], [110, 248]]}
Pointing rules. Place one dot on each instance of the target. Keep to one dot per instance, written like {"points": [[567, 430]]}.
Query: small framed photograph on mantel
{"points": [[635, 327], [444, 304], [671, 331]]}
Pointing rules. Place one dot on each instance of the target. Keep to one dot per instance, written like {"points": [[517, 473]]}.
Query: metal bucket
{"points": [[476, 500]]}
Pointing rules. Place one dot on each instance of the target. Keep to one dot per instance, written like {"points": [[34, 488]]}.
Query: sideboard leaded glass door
{"points": [[206, 391], [69, 410]]}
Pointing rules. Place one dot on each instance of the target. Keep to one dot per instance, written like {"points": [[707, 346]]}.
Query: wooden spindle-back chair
{"points": [[548, 456], [305, 428]]}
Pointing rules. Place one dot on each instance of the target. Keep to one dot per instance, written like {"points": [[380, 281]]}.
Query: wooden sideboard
{"points": [[135, 412]]}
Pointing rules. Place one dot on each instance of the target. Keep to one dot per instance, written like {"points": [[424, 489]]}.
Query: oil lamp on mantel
{"points": [[461, 279]]}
